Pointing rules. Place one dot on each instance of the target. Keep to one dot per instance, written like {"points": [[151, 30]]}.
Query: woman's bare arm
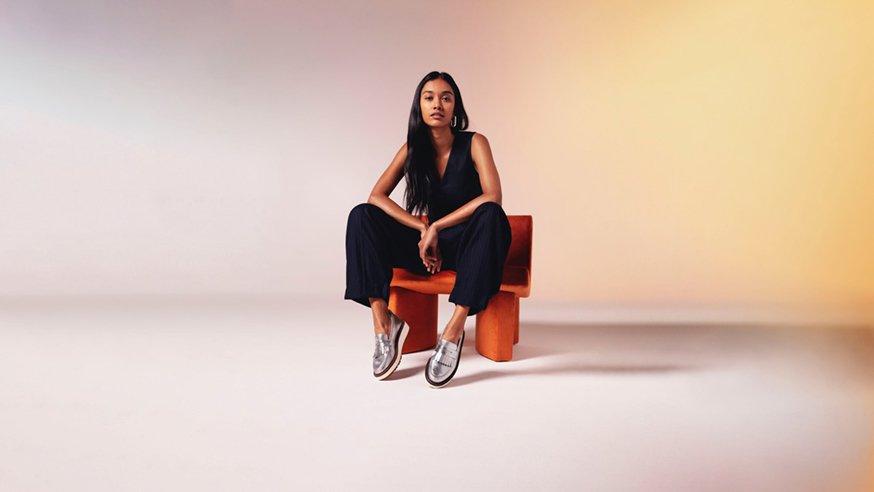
{"points": [[386, 183], [489, 181]]}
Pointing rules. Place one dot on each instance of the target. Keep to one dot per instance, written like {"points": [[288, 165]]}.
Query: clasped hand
{"points": [[429, 250]]}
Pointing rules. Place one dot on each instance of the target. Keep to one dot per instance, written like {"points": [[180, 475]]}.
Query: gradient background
{"points": [[673, 154], [710, 160]]}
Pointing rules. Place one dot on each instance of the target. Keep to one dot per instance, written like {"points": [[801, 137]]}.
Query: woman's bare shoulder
{"points": [[400, 156], [478, 140], [402, 150]]}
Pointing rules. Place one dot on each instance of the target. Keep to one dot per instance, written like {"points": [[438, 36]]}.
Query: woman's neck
{"points": [[442, 140]]}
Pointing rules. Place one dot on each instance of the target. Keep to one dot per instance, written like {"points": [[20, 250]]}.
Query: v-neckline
{"points": [[440, 179]]}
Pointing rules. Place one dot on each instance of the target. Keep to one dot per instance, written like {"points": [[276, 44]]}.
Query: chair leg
{"points": [[420, 313], [496, 327], [516, 320]]}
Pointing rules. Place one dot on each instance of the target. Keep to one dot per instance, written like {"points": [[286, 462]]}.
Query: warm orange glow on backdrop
{"points": [[710, 151]]}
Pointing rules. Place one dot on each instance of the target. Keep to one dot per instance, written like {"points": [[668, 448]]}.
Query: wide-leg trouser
{"points": [[475, 249]]}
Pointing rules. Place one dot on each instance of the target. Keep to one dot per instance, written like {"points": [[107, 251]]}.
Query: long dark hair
{"points": [[419, 168]]}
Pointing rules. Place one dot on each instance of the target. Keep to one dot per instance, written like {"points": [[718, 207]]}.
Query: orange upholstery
{"points": [[516, 280], [414, 298]]}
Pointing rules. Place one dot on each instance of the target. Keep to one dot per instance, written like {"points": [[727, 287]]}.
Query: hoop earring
{"points": [[453, 121]]}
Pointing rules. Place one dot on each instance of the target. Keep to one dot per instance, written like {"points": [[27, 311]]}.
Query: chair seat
{"points": [[516, 280]]}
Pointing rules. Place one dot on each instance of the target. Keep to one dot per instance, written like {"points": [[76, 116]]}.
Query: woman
{"points": [[451, 175]]}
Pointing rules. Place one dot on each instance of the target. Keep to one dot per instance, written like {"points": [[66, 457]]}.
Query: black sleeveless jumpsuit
{"points": [[475, 249]]}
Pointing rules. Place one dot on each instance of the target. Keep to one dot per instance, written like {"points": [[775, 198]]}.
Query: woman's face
{"points": [[437, 103]]}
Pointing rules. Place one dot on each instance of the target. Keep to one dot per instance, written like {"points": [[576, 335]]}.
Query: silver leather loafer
{"points": [[387, 353], [443, 364]]}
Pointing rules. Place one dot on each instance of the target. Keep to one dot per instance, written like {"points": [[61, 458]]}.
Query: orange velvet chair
{"points": [[414, 298]]}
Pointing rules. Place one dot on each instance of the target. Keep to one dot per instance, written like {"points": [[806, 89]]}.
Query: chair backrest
{"points": [[522, 227], [520, 246]]}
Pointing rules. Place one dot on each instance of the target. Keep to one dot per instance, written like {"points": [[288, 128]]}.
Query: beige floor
{"points": [[267, 395]]}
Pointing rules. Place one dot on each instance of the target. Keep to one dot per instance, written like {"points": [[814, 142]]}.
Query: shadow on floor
{"points": [[665, 349]]}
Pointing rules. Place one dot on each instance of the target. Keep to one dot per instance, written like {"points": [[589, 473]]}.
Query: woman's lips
{"points": [[437, 116]]}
